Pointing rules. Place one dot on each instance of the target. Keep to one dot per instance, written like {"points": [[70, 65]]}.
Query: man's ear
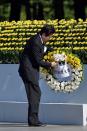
{"points": [[44, 34]]}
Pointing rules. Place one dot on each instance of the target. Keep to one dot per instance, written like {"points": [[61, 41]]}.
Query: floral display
{"points": [[70, 35], [68, 75]]}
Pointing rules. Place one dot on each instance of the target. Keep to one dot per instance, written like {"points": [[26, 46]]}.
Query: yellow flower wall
{"points": [[70, 34]]}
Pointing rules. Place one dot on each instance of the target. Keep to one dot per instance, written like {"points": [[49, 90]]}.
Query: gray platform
{"points": [[50, 113], [55, 108]]}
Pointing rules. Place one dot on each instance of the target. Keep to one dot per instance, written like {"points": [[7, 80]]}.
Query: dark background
{"points": [[42, 9]]}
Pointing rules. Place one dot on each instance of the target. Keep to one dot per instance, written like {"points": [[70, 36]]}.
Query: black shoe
{"points": [[39, 124]]}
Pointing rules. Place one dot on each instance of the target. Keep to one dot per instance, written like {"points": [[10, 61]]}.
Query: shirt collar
{"points": [[41, 39]]}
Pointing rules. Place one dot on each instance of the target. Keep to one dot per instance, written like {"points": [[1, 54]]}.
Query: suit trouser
{"points": [[33, 95]]}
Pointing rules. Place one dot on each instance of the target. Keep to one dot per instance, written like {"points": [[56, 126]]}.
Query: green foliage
{"points": [[48, 9]]}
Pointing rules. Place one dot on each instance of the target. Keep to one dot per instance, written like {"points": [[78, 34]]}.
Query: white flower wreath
{"points": [[75, 75]]}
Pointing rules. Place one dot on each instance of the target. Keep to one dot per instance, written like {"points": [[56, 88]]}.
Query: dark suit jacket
{"points": [[31, 59]]}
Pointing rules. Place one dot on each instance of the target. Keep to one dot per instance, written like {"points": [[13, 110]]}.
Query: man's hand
{"points": [[53, 64]]}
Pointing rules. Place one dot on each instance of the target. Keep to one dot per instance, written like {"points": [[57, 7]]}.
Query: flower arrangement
{"points": [[74, 76], [70, 35]]}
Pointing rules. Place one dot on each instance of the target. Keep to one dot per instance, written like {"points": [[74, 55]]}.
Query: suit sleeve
{"points": [[50, 49], [38, 56]]}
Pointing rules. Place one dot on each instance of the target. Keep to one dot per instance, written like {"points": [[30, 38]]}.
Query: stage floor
{"points": [[19, 127]]}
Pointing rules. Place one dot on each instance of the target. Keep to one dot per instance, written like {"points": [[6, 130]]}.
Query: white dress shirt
{"points": [[45, 48]]}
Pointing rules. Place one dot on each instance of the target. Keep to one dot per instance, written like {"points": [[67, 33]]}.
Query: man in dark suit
{"points": [[30, 62]]}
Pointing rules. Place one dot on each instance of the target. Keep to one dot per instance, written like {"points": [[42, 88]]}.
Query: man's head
{"points": [[46, 32]]}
